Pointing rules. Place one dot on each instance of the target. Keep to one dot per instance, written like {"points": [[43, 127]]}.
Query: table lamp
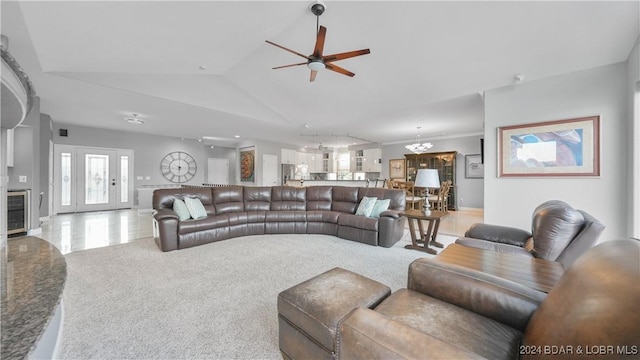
{"points": [[427, 178]]}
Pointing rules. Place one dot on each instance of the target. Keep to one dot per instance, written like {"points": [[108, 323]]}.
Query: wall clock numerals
{"points": [[178, 167]]}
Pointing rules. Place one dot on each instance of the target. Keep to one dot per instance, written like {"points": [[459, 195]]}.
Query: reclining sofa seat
{"points": [[558, 233], [242, 210]]}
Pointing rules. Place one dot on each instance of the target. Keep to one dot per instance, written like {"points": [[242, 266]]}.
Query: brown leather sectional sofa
{"points": [[242, 210]]}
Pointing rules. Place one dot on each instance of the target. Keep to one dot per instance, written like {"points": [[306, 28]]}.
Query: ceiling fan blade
{"points": [[290, 65], [345, 55], [313, 75], [289, 50], [338, 69], [322, 33]]}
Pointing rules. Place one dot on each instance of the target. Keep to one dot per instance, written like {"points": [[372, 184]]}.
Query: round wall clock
{"points": [[178, 167]]}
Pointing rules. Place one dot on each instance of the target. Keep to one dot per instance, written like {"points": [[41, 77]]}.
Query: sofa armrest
{"points": [[494, 246], [391, 213], [366, 334], [499, 234], [162, 214], [165, 232], [494, 297]]}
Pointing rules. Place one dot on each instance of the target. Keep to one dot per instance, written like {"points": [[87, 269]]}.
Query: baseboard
{"points": [[33, 232], [470, 209]]}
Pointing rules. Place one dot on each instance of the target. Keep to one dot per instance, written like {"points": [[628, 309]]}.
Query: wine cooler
{"points": [[18, 212]]}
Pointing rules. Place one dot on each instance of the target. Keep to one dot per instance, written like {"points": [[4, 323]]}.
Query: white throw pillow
{"points": [[379, 207], [196, 209], [181, 209], [366, 206]]}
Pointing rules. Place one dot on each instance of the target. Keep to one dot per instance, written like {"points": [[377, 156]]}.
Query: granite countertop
{"points": [[33, 274]]}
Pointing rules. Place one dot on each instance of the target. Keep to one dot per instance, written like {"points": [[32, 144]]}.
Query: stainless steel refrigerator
{"points": [[288, 172]]}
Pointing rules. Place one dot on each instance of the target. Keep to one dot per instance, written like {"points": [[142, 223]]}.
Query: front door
{"points": [[92, 179]]}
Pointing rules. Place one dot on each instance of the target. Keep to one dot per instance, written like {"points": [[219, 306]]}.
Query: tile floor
{"points": [[80, 231]]}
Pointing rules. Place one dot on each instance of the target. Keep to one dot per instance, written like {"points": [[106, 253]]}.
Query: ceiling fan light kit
{"points": [[317, 61]]}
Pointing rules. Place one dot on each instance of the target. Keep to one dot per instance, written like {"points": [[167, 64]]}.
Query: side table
{"points": [[425, 237]]}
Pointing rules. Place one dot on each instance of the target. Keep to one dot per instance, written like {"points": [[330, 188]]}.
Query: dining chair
{"points": [[411, 197], [440, 201]]}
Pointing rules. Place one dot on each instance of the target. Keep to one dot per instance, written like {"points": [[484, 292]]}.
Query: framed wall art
{"points": [[473, 166], [247, 165], [569, 147], [397, 169]]}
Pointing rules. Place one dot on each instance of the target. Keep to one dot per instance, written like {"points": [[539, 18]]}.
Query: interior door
{"points": [[218, 171], [269, 170], [97, 179]]}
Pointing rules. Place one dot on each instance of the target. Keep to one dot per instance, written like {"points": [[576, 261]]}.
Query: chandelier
{"points": [[418, 147]]}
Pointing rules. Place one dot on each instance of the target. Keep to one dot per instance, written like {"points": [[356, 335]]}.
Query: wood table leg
{"points": [[414, 239], [435, 233]]}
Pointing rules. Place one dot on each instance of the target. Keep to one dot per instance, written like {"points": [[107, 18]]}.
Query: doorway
{"points": [[91, 179]]}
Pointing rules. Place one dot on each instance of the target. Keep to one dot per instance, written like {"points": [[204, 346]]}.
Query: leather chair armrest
{"points": [[390, 213], [162, 214], [366, 334], [494, 297], [494, 246], [165, 231], [499, 234]]}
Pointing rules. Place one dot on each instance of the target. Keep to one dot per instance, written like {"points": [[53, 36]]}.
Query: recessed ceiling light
{"points": [[237, 136]]}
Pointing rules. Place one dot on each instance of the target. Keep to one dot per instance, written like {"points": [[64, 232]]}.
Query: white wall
{"points": [[633, 137], [600, 91]]}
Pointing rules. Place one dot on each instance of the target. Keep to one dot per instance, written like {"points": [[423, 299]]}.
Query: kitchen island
{"points": [[33, 275]]}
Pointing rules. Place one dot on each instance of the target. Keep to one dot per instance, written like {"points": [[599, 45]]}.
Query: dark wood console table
{"points": [[532, 272], [424, 237]]}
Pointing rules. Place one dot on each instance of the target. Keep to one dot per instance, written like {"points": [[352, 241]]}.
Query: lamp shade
{"points": [[427, 178]]}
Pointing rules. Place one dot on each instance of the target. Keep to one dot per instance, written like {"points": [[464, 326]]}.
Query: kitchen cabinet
{"points": [[288, 156], [327, 162], [444, 162], [356, 164]]}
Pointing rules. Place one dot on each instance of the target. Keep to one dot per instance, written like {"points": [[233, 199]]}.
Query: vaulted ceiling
{"points": [[202, 68]]}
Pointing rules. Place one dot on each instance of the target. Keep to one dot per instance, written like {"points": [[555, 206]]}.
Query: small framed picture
{"points": [[474, 168], [397, 169]]}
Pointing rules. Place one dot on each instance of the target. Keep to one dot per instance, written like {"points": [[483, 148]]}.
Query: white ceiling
{"points": [[94, 63]]}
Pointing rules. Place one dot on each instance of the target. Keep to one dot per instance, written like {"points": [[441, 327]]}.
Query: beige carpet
{"points": [[216, 301]]}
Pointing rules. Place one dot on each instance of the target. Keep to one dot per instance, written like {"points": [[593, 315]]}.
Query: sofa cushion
{"points": [[359, 222], [319, 197], [195, 207], [323, 216], [211, 222], [379, 207], [181, 209], [288, 198], [228, 199], [345, 199], [257, 198], [473, 332], [366, 206]]}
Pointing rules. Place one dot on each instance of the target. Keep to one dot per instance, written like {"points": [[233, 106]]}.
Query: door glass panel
{"points": [[96, 179], [65, 174], [124, 178]]}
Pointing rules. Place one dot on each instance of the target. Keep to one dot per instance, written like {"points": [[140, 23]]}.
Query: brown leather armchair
{"points": [[558, 233], [452, 312]]}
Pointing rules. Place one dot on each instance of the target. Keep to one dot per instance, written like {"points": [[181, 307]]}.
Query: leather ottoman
{"points": [[309, 313]]}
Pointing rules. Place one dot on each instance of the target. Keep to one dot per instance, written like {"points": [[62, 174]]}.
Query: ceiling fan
{"points": [[317, 61]]}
